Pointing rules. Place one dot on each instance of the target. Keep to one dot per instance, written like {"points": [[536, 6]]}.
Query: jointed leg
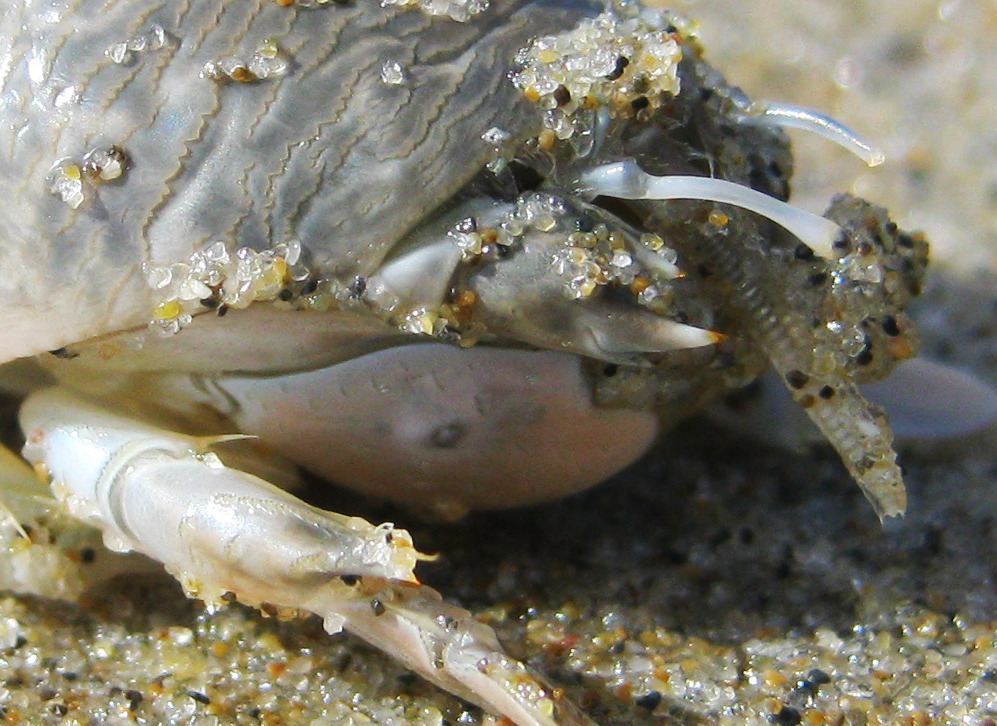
{"points": [[220, 530]]}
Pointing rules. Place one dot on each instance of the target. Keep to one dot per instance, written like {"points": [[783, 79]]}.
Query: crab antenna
{"points": [[626, 180], [797, 117]]}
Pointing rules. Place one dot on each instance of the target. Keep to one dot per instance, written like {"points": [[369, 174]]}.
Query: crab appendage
{"points": [[447, 646], [805, 119], [223, 532], [813, 360], [543, 287], [626, 180]]}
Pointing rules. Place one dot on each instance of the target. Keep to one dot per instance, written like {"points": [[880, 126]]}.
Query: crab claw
{"points": [[603, 293], [223, 532]]}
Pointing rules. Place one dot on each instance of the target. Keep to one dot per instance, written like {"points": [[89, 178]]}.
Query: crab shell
{"points": [[324, 153], [305, 168]]}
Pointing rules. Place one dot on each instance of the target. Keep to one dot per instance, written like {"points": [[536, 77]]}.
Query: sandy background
{"points": [[915, 76], [713, 582]]}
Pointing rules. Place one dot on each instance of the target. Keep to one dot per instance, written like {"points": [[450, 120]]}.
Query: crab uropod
{"points": [[459, 254]]}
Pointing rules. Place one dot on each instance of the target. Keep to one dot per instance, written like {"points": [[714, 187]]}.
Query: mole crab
{"points": [[454, 253]]}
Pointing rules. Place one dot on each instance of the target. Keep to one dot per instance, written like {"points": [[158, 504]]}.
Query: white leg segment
{"points": [[220, 530], [217, 529]]}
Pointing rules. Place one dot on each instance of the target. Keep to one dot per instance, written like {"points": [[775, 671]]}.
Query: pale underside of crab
{"points": [[458, 254]]}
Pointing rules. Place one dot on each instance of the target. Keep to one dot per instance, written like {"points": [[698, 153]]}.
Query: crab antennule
{"points": [[805, 119], [626, 180]]}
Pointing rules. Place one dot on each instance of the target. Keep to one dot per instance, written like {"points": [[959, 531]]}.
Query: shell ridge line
{"points": [[375, 204], [63, 231], [306, 66], [115, 292], [169, 186], [299, 61], [300, 142], [10, 62], [342, 151], [303, 205], [273, 90], [35, 162], [426, 126], [316, 131], [432, 165], [267, 208], [461, 58], [88, 255], [116, 91], [168, 183], [247, 197], [208, 27], [266, 104], [106, 62], [108, 6], [182, 12], [157, 70], [253, 17], [157, 73], [379, 204], [237, 37]]}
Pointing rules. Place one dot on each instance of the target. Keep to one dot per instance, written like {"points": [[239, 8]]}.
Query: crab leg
{"points": [[447, 646], [219, 530]]}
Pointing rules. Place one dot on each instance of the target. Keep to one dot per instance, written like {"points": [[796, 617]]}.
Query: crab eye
{"points": [[626, 180]]}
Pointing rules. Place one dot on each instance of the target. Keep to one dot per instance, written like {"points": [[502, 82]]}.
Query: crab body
{"points": [[420, 249]]}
